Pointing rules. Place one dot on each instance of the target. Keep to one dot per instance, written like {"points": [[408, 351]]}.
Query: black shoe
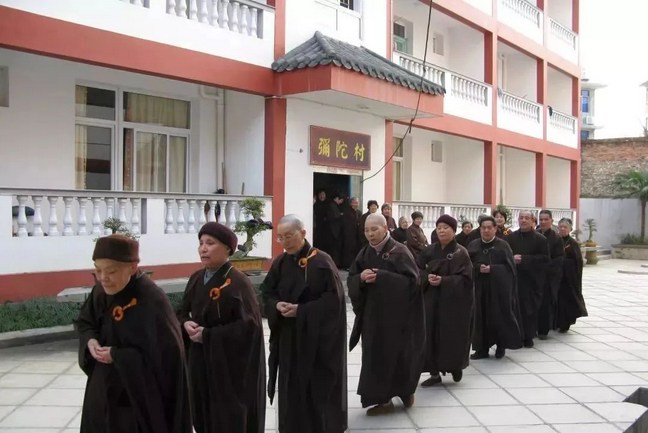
{"points": [[542, 337], [408, 401], [500, 352], [381, 409], [457, 375], [563, 330], [528, 343], [479, 355], [433, 380]]}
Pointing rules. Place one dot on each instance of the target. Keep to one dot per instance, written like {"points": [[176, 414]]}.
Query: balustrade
{"points": [[562, 121], [520, 107], [239, 16], [525, 10], [563, 33]]}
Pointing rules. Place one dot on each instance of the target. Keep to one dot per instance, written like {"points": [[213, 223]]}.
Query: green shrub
{"points": [[36, 313], [632, 239]]}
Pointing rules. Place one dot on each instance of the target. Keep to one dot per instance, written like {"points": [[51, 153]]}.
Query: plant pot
{"points": [[248, 264], [591, 253]]}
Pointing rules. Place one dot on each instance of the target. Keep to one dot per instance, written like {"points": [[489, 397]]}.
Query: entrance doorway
{"points": [[332, 184]]}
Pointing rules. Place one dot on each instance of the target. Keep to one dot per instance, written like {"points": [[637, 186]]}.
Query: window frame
{"points": [[398, 159], [586, 94]]}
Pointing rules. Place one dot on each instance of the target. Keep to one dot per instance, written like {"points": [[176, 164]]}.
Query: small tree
{"points": [[117, 226], [634, 183], [252, 208]]}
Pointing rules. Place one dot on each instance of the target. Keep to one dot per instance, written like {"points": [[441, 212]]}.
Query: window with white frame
{"points": [[402, 34], [4, 86], [438, 47], [348, 4], [436, 150], [397, 164], [155, 141]]}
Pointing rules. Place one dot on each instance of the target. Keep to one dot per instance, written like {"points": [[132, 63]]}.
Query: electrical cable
{"points": [[418, 102]]}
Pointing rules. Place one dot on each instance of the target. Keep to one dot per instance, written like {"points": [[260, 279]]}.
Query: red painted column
{"points": [[274, 167], [575, 181], [541, 74], [390, 30], [280, 28], [541, 175], [490, 173], [576, 16], [490, 67], [389, 168]]}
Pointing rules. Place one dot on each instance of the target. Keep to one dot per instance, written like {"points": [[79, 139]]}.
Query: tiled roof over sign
{"points": [[322, 50]]}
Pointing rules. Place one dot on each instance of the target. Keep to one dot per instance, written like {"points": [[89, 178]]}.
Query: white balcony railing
{"points": [[464, 97], [563, 41], [562, 128], [519, 115], [523, 17]]}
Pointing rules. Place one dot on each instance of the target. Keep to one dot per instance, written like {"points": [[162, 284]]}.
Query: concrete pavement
{"points": [[570, 383]]}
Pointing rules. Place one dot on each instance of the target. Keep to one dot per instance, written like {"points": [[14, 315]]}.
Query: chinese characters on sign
{"points": [[343, 149]]}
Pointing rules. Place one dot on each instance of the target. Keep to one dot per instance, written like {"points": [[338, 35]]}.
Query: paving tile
{"points": [[6, 410], [569, 379], [570, 338], [76, 421], [519, 381], [610, 338], [353, 400], [16, 380], [40, 416], [65, 381], [593, 366], [539, 395], [629, 347], [593, 394], [15, 396], [591, 331], [571, 355], [587, 428], [400, 430], [613, 355], [504, 415], [36, 430], [352, 383], [271, 419], [430, 397], [450, 430], [6, 366], [495, 366], [618, 378], [477, 381], [44, 367], [551, 346], [358, 419], [528, 355], [57, 397], [618, 411], [442, 417], [483, 397], [564, 413], [547, 367], [522, 429], [353, 369]]}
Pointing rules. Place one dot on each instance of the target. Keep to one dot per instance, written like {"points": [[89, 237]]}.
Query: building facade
{"points": [[142, 109]]}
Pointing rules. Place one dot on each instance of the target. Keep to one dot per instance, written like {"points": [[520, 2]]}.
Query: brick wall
{"points": [[602, 160]]}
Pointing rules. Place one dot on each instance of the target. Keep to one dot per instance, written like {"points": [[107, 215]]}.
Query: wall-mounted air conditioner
{"points": [[588, 120]]}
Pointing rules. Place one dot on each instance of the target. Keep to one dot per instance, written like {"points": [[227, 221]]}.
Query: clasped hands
{"points": [[484, 269], [287, 309], [434, 280], [369, 275], [98, 352], [194, 330]]}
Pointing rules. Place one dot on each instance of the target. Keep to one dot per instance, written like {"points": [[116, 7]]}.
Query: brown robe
{"points": [[226, 370], [145, 389], [449, 307], [416, 240], [308, 351], [390, 320]]}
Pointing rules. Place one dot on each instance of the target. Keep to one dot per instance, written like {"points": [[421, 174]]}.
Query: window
{"points": [[585, 135], [400, 38], [155, 133], [436, 150], [4, 86], [349, 4], [397, 164], [585, 101], [438, 44]]}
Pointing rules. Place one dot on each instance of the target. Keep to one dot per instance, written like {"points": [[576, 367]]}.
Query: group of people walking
{"points": [[418, 305]]}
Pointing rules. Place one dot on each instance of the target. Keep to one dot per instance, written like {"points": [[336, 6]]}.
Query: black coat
{"points": [[571, 305]]}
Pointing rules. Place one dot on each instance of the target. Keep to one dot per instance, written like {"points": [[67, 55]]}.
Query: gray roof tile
{"points": [[322, 50]]}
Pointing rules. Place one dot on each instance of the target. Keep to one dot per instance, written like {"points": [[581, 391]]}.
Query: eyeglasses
{"points": [[286, 238]]}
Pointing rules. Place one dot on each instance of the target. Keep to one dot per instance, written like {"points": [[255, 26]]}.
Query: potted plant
{"points": [[117, 226], [253, 209], [590, 245]]}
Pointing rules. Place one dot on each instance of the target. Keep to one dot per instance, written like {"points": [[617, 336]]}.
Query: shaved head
{"points": [[293, 221], [376, 218], [526, 213]]}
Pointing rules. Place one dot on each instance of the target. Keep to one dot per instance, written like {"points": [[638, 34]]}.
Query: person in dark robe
{"points": [[531, 255], [448, 296], [350, 232], [306, 310], [335, 219], [434, 238], [320, 220], [500, 219], [400, 234], [372, 207], [416, 240], [462, 237], [475, 233], [387, 302], [223, 332], [570, 304], [386, 211], [130, 348], [497, 313], [547, 311]]}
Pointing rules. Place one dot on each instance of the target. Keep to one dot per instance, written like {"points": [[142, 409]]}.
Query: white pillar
{"points": [[38, 216], [83, 231], [135, 216], [191, 221], [169, 216], [181, 219], [96, 218], [67, 217], [22, 216]]}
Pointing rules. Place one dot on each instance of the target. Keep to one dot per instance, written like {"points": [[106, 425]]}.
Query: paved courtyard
{"points": [[570, 383]]}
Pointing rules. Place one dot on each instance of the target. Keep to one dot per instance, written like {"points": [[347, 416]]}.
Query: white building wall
{"points": [[37, 129], [519, 177], [299, 173], [416, 13], [366, 27], [558, 183], [464, 161], [466, 51], [559, 91], [614, 218], [560, 11], [244, 143], [521, 77]]}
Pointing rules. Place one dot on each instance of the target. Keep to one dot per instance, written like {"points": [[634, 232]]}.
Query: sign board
{"points": [[342, 149]]}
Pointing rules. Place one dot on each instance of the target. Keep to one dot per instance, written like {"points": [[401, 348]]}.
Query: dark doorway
{"points": [[332, 184]]}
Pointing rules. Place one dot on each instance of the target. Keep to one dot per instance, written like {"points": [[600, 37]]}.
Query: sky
{"points": [[613, 48]]}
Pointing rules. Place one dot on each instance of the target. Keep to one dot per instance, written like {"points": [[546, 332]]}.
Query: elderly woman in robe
{"points": [[570, 304], [221, 323]]}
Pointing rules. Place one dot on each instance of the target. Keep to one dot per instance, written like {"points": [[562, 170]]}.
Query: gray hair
{"points": [[376, 217], [293, 220], [354, 199], [531, 214]]}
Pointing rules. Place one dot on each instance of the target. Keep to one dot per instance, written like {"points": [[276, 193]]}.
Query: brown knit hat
{"points": [[447, 219], [221, 232], [116, 247]]}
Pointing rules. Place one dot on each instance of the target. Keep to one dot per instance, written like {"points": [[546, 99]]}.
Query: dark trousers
{"points": [[530, 324], [546, 313]]}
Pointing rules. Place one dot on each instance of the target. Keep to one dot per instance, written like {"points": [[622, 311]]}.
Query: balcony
{"points": [[519, 115], [53, 230], [465, 97], [523, 17], [237, 29], [562, 128], [563, 41]]}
